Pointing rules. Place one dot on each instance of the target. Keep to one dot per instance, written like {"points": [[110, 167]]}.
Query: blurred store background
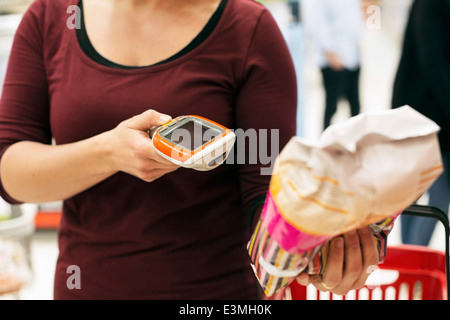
{"points": [[28, 233]]}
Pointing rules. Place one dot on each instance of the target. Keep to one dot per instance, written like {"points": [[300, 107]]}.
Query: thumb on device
{"points": [[148, 119]]}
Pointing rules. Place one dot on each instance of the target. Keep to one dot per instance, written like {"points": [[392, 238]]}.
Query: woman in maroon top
{"points": [[184, 234], [137, 226]]}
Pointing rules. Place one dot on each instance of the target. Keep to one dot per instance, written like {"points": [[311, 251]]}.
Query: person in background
{"points": [[336, 29], [423, 82]]}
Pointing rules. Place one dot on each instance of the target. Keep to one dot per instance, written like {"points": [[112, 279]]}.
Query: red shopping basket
{"points": [[420, 272]]}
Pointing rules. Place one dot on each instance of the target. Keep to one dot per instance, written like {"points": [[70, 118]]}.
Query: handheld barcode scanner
{"points": [[193, 142]]}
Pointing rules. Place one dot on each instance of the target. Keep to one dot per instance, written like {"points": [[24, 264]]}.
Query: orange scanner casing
{"points": [[205, 144]]}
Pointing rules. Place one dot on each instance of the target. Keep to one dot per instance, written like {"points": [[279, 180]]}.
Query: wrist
{"points": [[103, 149]]}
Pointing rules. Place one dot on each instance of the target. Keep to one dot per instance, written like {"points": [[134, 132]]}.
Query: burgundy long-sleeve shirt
{"points": [[184, 235]]}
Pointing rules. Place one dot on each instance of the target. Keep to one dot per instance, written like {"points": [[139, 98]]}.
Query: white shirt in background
{"points": [[335, 26]]}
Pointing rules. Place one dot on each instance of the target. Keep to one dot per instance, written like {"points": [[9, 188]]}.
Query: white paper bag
{"points": [[360, 172]]}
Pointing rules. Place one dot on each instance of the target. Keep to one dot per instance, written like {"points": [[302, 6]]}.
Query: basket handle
{"points": [[433, 212]]}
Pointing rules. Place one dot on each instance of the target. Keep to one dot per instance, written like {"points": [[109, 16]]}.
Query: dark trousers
{"points": [[340, 84]]}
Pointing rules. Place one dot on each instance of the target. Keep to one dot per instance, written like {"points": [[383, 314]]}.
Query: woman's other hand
{"points": [[351, 258]]}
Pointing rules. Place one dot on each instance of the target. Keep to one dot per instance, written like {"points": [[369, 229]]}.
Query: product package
{"points": [[362, 172]]}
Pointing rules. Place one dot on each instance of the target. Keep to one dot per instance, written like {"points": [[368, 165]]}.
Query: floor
{"points": [[380, 56]]}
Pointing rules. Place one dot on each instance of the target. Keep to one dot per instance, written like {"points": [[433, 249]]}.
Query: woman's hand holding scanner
{"points": [[34, 172], [350, 258], [133, 152]]}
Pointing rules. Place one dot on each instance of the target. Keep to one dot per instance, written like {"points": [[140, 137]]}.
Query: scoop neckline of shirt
{"points": [[158, 66]]}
